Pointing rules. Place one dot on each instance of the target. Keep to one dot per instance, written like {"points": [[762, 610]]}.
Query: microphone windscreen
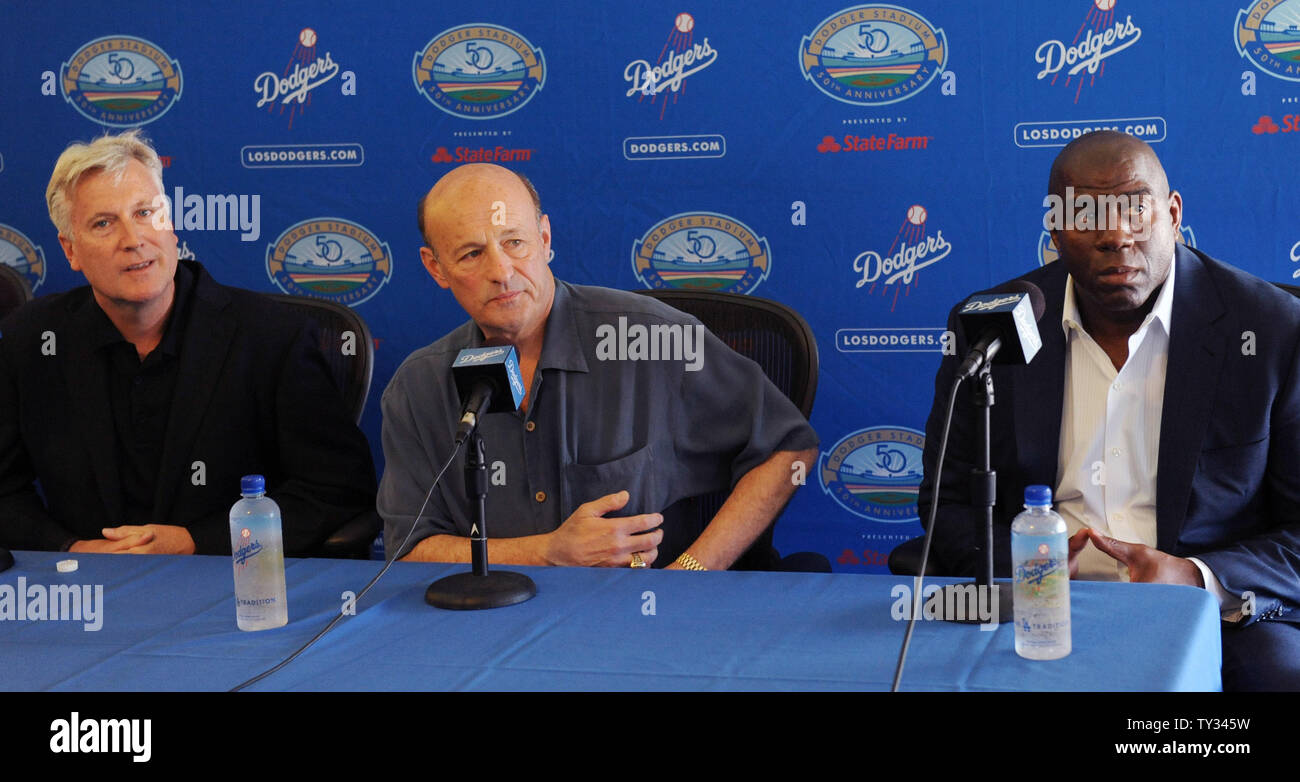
{"points": [[498, 365], [1035, 293]]}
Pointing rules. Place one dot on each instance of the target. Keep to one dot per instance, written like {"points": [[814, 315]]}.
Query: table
{"points": [[168, 623]]}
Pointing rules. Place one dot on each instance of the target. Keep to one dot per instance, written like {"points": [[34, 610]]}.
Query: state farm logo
{"points": [[873, 143], [1266, 125], [1098, 38], [497, 154]]}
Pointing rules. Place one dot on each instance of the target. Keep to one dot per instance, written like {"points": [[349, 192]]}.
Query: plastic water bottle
{"points": [[1040, 562], [256, 542]]}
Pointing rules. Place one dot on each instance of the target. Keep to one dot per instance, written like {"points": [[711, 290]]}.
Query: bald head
{"points": [[469, 176], [1103, 150]]}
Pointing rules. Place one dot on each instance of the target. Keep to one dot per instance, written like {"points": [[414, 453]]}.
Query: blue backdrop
{"points": [[869, 165]]}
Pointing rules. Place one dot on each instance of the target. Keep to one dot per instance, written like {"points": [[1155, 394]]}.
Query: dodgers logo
{"points": [[875, 473], [292, 87], [1098, 38], [701, 251], [873, 55], [913, 249], [1268, 34], [121, 81], [329, 258], [1047, 252], [17, 250], [479, 71], [679, 58]]}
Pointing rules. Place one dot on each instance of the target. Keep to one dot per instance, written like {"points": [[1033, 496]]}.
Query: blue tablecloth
{"points": [[168, 623]]}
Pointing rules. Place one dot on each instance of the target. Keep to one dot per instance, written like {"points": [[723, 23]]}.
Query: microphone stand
{"points": [[479, 588], [983, 492]]}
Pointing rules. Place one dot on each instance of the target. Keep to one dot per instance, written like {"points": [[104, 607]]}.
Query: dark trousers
{"points": [[1262, 657]]}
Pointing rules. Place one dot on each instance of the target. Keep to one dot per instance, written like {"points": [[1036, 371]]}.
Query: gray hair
{"points": [[107, 153]]}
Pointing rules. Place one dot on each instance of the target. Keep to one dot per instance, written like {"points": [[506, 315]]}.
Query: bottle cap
{"points": [[1038, 495], [252, 484]]}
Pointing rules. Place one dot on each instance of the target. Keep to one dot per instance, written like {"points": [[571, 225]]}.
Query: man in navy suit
{"points": [[1163, 410]]}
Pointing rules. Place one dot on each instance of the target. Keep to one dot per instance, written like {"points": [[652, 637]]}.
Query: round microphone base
{"points": [[468, 592]]}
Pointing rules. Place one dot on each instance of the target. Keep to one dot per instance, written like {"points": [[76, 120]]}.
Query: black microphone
{"points": [[488, 381], [1006, 322]]}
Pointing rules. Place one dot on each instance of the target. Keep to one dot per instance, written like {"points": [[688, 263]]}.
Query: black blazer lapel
{"points": [[1040, 392], [207, 343], [1196, 353]]}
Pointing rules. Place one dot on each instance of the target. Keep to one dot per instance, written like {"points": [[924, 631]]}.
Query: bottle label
{"points": [[247, 549], [1038, 573]]}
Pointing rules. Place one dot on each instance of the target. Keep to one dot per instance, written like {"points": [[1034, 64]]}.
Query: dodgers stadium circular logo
{"points": [[876, 473], [329, 258], [701, 251], [479, 71], [1268, 34], [17, 250], [121, 81], [873, 55]]}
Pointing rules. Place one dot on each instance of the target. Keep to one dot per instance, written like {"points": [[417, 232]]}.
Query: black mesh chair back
{"points": [[14, 289], [352, 369], [779, 340]]}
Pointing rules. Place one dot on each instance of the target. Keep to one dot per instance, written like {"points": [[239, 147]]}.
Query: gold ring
{"points": [[637, 561]]}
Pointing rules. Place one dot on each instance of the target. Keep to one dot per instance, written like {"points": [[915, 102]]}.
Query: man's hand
{"points": [[1077, 541], [158, 538], [107, 545], [1145, 564], [589, 538]]}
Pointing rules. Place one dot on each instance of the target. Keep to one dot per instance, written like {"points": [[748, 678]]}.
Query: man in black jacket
{"points": [[138, 402]]}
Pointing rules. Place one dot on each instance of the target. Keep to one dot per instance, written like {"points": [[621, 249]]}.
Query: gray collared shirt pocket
{"points": [[638, 472]]}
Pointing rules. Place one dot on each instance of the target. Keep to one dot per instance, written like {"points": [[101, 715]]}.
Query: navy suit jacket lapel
{"points": [[1041, 390], [207, 342], [1196, 352]]}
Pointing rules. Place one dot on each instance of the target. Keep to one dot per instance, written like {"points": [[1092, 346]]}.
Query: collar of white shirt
{"points": [[1162, 311]]}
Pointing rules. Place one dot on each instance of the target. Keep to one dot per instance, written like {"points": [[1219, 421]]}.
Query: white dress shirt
{"points": [[1110, 432], [1109, 453]]}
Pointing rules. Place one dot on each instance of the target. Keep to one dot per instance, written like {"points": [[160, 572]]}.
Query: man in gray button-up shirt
{"points": [[589, 471]]}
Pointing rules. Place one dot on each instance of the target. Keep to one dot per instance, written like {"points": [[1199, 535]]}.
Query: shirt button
{"points": [[1117, 517], [1118, 385], [540, 496], [530, 426], [1116, 451]]}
